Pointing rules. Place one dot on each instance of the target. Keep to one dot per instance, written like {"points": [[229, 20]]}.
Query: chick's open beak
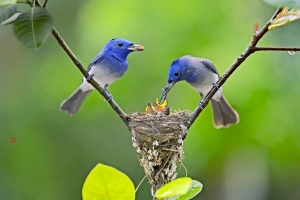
{"points": [[135, 47]]}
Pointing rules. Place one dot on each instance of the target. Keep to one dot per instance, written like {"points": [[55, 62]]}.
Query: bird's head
{"points": [[178, 72], [120, 48]]}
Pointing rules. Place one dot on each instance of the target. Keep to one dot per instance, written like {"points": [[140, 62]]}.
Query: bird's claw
{"points": [[110, 97], [200, 104], [216, 85], [89, 77]]}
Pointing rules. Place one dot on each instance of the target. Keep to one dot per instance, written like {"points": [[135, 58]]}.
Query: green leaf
{"points": [[194, 189], [11, 19], [176, 187], [8, 12], [286, 16], [106, 183], [33, 27], [289, 3], [7, 2]]}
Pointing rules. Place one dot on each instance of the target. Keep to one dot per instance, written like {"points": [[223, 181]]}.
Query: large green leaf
{"points": [[107, 183], [194, 189], [32, 28], [8, 12], [7, 2], [289, 3], [177, 187]]}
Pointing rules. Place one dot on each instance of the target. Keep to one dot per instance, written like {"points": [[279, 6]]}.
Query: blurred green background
{"points": [[257, 159]]}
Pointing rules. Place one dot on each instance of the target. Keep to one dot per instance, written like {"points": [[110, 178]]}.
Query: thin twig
{"points": [[291, 49], [186, 171], [45, 3], [27, 2], [251, 49], [165, 149], [137, 187]]}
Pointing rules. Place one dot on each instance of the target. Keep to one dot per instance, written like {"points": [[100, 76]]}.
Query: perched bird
{"points": [[109, 65], [201, 74]]}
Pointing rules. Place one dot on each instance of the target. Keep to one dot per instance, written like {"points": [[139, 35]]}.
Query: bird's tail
{"points": [[224, 114], [72, 104]]}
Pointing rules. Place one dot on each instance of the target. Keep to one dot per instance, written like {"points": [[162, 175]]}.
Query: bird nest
{"points": [[158, 140]]}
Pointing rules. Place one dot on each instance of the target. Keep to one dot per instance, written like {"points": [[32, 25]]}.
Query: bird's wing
{"points": [[95, 61], [210, 66]]}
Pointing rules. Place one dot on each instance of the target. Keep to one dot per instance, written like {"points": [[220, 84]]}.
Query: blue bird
{"points": [[201, 74], [109, 65]]}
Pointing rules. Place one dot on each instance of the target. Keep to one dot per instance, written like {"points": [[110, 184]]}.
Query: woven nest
{"points": [[158, 140]]}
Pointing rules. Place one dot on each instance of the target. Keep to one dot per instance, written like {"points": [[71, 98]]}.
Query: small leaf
{"points": [[11, 19], [106, 183], [255, 27], [289, 3], [179, 186], [194, 189], [8, 12], [7, 2], [33, 27], [285, 17]]}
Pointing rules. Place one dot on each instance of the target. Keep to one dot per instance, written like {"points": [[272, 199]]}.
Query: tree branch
{"points": [[45, 3], [250, 50], [291, 49]]}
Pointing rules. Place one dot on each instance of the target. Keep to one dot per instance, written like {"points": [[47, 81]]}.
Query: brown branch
{"points": [[250, 49], [291, 49], [45, 3]]}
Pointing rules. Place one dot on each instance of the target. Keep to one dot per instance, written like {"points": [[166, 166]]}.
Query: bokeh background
{"points": [[257, 159]]}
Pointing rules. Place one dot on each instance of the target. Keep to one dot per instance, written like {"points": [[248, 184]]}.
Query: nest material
{"points": [[158, 140]]}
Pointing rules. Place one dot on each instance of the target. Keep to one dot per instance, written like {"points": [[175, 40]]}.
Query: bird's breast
{"points": [[203, 82], [107, 72]]}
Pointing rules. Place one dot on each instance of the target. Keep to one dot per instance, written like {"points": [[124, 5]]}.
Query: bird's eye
{"points": [[120, 44], [176, 74]]}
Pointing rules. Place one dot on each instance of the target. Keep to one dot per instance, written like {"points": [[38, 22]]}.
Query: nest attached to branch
{"points": [[158, 140]]}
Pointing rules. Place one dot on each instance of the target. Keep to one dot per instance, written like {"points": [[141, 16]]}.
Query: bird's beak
{"points": [[165, 91], [135, 47]]}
